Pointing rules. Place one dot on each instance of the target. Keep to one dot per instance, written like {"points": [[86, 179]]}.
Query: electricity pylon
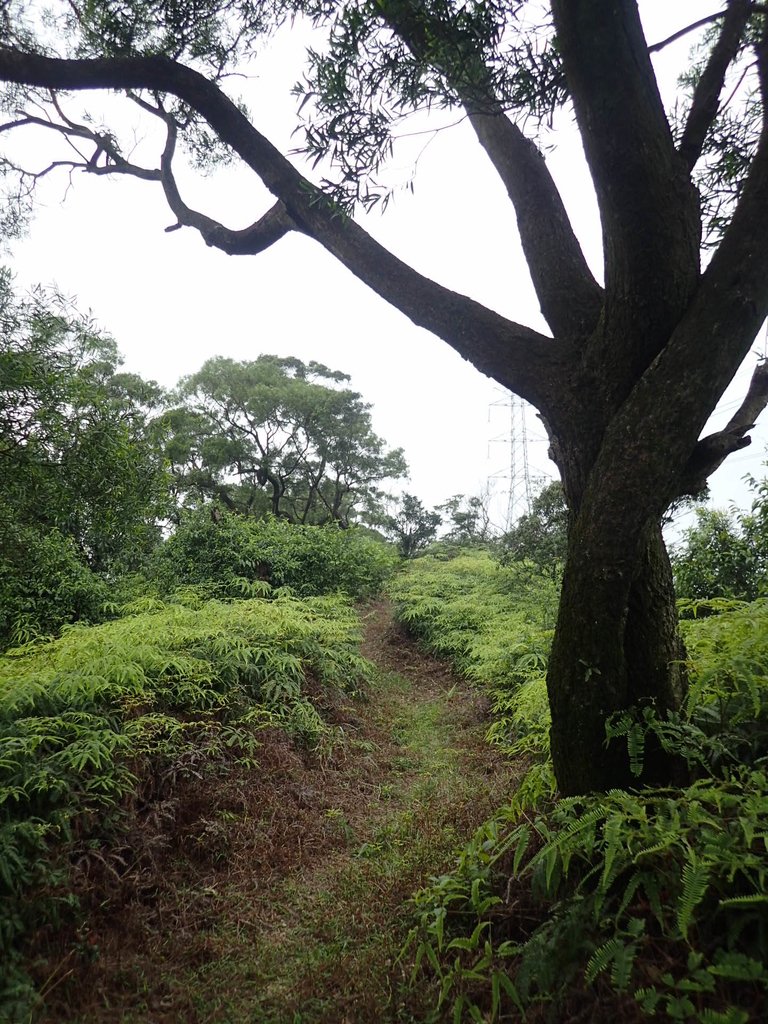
{"points": [[517, 473]]}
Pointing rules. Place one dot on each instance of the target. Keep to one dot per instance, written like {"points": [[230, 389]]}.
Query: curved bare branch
{"points": [[244, 242], [513, 354]]}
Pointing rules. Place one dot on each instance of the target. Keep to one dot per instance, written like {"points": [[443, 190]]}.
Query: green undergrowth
{"points": [[109, 717], [495, 625], [232, 553], [330, 951], [652, 902]]}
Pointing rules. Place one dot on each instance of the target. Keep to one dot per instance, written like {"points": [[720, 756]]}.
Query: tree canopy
{"points": [[468, 518], [83, 484], [281, 436], [541, 535], [636, 355], [412, 527]]}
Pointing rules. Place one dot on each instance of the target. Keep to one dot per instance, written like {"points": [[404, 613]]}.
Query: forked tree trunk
{"points": [[616, 647]]}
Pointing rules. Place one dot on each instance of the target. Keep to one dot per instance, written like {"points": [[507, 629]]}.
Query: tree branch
{"points": [[516, 356], [711, 451], [247, 241], [710, 341], [708, 20], [570, 297], [706, 96], [104, 146], [648, 206]]}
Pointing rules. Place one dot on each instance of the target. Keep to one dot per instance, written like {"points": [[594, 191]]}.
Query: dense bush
{"points": [[104, 713], [44, 583], [83, 483], [720, 556], [725, 554], [232, 554], [727, 706], [541, 535], [655, 899]]}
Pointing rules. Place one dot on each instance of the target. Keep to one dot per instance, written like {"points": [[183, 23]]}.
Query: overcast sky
{"points": [[171, 303]]}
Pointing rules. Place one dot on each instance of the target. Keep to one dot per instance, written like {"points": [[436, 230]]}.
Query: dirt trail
{"points": [[283, 898]]}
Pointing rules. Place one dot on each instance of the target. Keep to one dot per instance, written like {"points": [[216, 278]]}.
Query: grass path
{"points": [[284, 900]]}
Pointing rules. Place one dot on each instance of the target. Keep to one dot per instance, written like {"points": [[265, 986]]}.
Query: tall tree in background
{"points": [[413, 527], [281, 436], [468, 518], [632, 368], [541, 535]]}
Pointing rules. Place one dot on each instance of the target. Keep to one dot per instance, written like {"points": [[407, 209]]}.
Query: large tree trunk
{"points": [[616, 647]]}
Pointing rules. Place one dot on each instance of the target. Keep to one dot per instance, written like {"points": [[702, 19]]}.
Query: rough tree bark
{"points": [[633, 368]]}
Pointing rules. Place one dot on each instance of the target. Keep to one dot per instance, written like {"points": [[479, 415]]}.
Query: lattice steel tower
{"points": [[517, 473]]}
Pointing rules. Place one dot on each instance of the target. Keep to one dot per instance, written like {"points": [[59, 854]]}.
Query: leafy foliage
{"points": [[468, 519], [541, 535], [731, 142], [281, 436], [660, 896], [727, 702], [412, 527], [82, 483], [105, 714], [723, 555], [45, 583], [231, 556], [360, 87]]}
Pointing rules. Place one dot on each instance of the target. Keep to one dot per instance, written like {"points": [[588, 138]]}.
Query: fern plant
{"points": [[660, 897], [627, 880], [91, 719]]}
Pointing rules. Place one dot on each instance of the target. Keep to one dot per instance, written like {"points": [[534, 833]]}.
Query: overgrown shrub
{"points": [[721, 556], [658, 896], [90, 720], [727, 704], [83, 483], [45, 584], [229, 553], [540, 537]]}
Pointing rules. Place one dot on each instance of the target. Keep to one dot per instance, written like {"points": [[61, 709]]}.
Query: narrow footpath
{"points": [[284, 896]]}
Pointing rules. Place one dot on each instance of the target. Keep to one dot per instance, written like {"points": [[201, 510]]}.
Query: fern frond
{"points": [[602, 958], [695, 879]]}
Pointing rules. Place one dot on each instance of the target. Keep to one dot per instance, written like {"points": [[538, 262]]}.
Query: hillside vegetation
{"points": [[99, 727], [128, 749], [215, 806], [653, 902]]}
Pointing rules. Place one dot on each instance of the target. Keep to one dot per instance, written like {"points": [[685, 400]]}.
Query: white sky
{"points": [[171, 303]]}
